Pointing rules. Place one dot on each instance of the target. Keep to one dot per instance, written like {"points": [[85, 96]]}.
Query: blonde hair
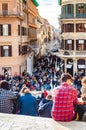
{"points": [[84, 80], [24, 90]]}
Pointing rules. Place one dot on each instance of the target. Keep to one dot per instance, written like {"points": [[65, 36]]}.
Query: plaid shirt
{"points": [[6, 103], [64, 99]]}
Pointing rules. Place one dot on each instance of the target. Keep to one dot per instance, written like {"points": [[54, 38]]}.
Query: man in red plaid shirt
{"points": [[64, 100]]}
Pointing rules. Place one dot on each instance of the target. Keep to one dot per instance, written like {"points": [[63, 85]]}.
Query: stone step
{"points": [[20, 122]]}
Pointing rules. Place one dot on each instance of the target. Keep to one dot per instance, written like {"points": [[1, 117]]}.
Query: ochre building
{"points": [[73, 35], [16, 28]]}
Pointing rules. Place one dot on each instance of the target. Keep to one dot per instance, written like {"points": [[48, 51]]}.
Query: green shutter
{"points": [[35, 3], [72, 10], [59, 2], [85, 9], [63, 13], [77, 13], [66, 10]]}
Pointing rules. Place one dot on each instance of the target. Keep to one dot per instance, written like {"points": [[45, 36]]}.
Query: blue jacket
{"points": [[28, 105], [45, 109]]}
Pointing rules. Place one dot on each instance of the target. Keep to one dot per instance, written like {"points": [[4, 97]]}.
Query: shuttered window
{"points": [[69, 27], [5, 29], [5, 8], [19, 49], [85, 45], [1, 29], [18, 30], [5, 51]]}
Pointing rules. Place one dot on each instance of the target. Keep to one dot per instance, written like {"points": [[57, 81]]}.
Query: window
{"points": [[70, 9], [81, 8], [5, 9], [32, 32], [24, 31], [5, 51], [69, 27], [80, 27], [5, 29], [69, 44], [80, 45]]}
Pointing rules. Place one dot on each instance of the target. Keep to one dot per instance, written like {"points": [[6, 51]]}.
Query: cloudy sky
{"points": [[50, 10]]}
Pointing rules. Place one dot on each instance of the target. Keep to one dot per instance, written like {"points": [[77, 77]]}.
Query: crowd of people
{"points": [[61, 105]]}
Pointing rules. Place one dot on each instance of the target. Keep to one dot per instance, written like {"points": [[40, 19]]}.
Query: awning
{"points": [[81, 66], [35, 3], [59, 2], [68, 66]]}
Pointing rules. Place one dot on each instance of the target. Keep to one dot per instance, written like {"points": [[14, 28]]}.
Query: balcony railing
{"points": [[69, 16], [72, 53], [11, 13], [80, 15], [80, 53]]}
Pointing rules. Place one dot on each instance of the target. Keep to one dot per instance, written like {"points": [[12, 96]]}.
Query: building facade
{"points": [[73, 35], [14, 36]]}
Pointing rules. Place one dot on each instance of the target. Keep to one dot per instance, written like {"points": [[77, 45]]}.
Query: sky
{"points": [[50, 10]]}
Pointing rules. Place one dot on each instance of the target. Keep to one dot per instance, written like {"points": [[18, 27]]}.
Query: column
{"points": [[65, 65], [74, 66]]}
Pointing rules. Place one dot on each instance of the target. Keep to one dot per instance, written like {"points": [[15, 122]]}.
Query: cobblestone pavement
{"points": [[19, 122]]}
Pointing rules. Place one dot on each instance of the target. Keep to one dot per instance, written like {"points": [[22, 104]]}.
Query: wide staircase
{"points": [[19, 122]]}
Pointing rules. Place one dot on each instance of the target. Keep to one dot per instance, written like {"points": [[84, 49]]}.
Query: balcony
{"points": [[71, 53], [80, 53], [11, 13], [80, 15], [70, 16], [67, 16]]}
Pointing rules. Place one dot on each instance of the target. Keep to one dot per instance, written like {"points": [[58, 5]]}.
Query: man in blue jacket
{"points": [[27, 103]]}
